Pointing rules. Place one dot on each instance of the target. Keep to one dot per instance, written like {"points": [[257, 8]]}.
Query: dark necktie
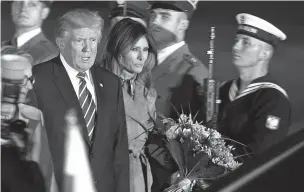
{"points": [[87, 104]]}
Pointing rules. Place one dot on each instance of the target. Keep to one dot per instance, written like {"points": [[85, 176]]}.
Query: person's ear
{"points": [[60, 43], [45, 12], [266, 53], [184, 24]]}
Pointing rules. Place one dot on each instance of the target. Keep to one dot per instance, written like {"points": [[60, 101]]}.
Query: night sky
{"points": [[287, 64]]}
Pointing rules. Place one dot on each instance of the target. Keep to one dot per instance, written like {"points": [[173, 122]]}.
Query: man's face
{"points": [[81, 48], [164, 26], [29, 13], [246, 51]]}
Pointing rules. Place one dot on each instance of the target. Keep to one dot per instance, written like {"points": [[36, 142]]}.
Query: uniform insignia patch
{"points": [[190, 59], [272, 122]]}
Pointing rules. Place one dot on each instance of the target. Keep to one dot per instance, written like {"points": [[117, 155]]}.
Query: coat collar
{"points": [[173, 59], [33, 41]]}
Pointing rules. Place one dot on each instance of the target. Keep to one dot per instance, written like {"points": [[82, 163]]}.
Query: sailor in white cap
{"points": [[255, 109]]}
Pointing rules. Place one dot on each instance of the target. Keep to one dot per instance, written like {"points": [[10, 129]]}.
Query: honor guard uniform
{"points": [[259, 115], [179, 76], [32, 41], [136, 10], [178, 79]]}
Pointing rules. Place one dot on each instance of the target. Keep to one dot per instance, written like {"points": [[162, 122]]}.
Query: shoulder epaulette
{"points": [[191, 59]]}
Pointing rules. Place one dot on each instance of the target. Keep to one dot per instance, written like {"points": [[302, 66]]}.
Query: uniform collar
{"points": [[262, 82], [25, 37], [265, 78], [164, 53]]}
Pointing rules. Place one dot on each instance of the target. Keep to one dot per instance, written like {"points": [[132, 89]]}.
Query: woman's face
{"points": [[135, 59]]}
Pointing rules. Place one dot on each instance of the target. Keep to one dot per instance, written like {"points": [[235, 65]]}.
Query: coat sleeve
{"points": [[271, 122], [121, 161]]}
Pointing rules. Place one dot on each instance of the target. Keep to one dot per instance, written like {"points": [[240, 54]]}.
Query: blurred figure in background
{"points": [[255, 109], [28, 17], [71, 81], [135, 10], [127, 51], [25, 156]]}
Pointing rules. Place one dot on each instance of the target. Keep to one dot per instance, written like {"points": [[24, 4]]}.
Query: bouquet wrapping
{"points": [[200, 153]]}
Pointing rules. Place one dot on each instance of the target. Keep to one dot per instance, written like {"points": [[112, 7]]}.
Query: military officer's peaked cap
{"points": [[138, 9], [259, 28], [47, 3], [188, 6]]}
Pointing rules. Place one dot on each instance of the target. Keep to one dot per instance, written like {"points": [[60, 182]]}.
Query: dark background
{"points": [[287, 64]]}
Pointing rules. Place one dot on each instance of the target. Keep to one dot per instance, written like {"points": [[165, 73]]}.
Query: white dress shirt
{"points": [[164, 53], [25, 37], [76, 81]]}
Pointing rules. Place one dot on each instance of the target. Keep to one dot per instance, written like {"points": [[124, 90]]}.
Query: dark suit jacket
{"points": [[108, 150], [39, 47], [179, 82]]}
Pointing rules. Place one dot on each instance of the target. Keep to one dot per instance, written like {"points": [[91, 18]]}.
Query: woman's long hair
{"points": [[120, 40]]}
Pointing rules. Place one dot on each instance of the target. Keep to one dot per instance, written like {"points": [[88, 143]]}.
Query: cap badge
{"points": [[242, 19], [120, 3], [193, 3], [272, 122]]}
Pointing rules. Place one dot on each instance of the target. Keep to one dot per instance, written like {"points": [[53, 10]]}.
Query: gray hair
{"points": [[78, 18]]}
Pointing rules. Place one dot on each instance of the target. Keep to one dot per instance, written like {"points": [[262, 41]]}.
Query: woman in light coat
{"points": [[130, 54]]}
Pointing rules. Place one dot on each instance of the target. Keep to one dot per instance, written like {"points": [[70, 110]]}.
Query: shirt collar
{"points": [[70, 70], [25, 37], [164, 53]]}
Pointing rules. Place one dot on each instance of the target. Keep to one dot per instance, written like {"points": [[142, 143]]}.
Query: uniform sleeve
{"points": [[199, 73], [272, 120]]}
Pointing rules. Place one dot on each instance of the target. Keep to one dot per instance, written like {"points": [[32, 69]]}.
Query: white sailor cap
{"points": [[259, 28]]}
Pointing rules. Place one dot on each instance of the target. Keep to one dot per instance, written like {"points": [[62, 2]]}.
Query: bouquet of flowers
{"points": [[200, 153]]}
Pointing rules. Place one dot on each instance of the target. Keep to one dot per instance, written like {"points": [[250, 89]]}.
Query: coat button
{"points": [[91, 155], [95, 182]]}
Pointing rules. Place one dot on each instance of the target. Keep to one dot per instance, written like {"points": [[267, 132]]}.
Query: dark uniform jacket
{"points": [[39, 47], [179, 79], [258, 117], [108, 149], [178, 82]]}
